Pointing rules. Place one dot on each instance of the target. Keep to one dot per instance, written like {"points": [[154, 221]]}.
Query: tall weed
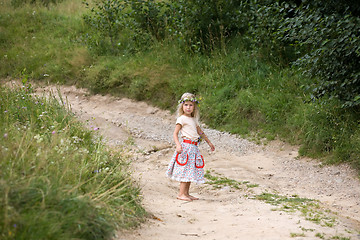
{"points": [[58, 180]]}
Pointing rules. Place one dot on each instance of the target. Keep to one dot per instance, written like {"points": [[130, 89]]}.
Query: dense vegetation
{"points": [[286, 69], [58, 180]]}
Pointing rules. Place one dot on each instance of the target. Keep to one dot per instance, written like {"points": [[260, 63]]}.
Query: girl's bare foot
{"points": [[193, 198], [184, 198]]}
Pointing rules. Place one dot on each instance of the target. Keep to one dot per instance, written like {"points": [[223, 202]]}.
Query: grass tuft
{"points": [[218, 181]]}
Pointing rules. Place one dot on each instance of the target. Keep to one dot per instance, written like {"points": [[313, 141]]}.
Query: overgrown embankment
{"points": [[58, 179], [245, 85]]}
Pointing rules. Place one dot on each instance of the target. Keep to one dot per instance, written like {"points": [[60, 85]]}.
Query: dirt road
{"points": [[232, 208]]}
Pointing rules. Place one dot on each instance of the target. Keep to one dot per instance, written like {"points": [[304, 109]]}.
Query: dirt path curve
{"points": [[224, 212]]}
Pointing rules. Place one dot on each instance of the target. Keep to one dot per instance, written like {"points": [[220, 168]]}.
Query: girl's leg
{"points": [[188, 194], [184, 191]]}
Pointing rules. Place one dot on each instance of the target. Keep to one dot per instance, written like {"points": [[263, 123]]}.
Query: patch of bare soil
{"points": [[224, 212]]}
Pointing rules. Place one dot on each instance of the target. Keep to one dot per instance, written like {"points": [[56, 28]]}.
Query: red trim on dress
{"points": [[190, 142], [177, 161], [202, 162]]}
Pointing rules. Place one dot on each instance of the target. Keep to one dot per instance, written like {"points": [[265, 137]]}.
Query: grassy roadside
{"points": [[242, 93], [58, 180]]}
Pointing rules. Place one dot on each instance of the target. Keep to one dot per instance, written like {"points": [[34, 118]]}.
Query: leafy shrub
{"points": [[107, 18], [330, 41], [148, 17], [265, 21], [206, 25], [125, 25]]}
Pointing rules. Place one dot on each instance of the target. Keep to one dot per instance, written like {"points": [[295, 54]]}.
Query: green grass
{"points": [[58, 180], [322, 236], [242, 93], [294, 235], [309, 208], [286, 203], [218, 181], [47, 44]]}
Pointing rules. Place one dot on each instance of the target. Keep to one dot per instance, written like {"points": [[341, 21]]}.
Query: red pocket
{"points": [[181, 159], [199, 162]]}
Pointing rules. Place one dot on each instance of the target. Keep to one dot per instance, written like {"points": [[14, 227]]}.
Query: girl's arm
{"points": [[176, 138], [202, 134]]}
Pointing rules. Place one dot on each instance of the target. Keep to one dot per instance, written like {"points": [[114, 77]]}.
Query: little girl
{"points": [[187, 164]]}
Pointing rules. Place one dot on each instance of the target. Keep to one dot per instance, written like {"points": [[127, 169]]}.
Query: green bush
{"points": [[206, 25], [107, 19], [330, 41], [148, 17]]}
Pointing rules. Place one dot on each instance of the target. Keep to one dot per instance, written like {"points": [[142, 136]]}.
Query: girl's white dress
{"points": [[188, 166]]}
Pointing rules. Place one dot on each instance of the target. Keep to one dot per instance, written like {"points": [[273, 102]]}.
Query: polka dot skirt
{"points": [[188, 166]]}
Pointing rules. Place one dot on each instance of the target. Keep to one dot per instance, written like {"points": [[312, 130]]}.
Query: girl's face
{"points": [[188, 108]]}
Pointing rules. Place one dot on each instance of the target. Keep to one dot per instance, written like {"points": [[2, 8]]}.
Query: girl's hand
{"points": [[178, 149], [211, 146]]}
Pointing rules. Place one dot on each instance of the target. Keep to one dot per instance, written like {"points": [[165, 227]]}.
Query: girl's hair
{"points": [[189, 97]]}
